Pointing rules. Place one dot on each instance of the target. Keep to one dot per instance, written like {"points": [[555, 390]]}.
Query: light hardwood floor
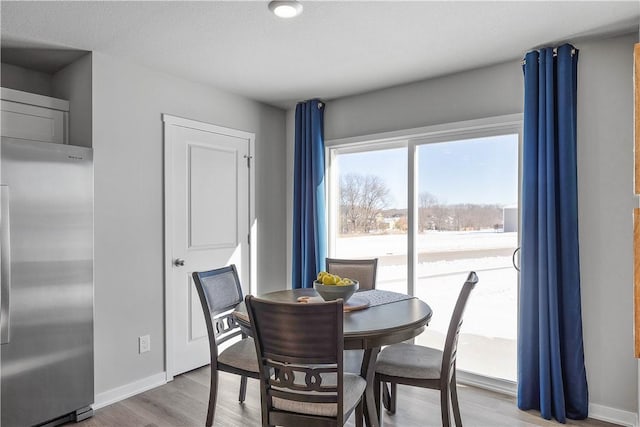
{"points": [[183, 403]]}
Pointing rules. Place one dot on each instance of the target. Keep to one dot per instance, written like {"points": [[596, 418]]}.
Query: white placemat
{"points": [[378, 297]]}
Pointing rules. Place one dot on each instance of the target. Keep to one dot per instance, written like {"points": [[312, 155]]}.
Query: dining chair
{"points": [[426, 367], [362, 270], [220, 292], [302, 380]]}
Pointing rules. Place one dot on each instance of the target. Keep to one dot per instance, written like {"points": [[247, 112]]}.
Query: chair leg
{"points": [[444, 406], [360, 413], [393, 394], [389, 397], [264, 412], [243, 389], [386, 398], [454, 401], [213, 393], [376, 396]]}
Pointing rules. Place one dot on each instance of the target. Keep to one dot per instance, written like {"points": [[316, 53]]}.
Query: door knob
{"points": [[179, 262]]}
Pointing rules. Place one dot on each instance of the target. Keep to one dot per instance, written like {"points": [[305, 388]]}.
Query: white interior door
{"points": [[207, 226]]}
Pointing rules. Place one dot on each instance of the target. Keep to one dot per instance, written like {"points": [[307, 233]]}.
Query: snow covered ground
{"points": [[396, 244], [488, 339]]}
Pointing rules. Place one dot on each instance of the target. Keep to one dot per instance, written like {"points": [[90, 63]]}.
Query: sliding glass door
{"points": [[460, 213], [468, 220]]}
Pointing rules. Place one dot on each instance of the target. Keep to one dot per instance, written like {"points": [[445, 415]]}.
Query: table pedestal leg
{"points": [[368, 372]]}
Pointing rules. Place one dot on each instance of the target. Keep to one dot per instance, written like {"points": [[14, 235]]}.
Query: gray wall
{"points": [[128, 101], [605, 179], [73, 83], [291, 117], [605, 195], [19, 78], [485, 92]]}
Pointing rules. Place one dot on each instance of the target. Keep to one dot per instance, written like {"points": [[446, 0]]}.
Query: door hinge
{"points": [[246, 156], [249, 239]]}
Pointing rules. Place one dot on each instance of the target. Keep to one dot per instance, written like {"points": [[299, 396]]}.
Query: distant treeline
{"points": [[364, 198], [459, 217]]}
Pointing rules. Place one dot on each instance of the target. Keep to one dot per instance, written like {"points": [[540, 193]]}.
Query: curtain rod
{"points": [[555, 53], [320, 102]]}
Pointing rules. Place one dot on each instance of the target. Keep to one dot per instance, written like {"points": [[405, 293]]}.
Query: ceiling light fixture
{"points": [[285, 8]]}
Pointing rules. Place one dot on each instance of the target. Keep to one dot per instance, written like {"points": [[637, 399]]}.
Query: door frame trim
{"points": [[169, 120]]}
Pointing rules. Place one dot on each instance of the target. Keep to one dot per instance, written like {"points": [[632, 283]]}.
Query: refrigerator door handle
{"points": [[5, 265]]}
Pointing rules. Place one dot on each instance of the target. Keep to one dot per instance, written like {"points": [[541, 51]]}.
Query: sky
{"points": [[479, 170]]}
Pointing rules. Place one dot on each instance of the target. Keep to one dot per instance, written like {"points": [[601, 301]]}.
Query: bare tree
{"points": [[426, 212], [350, 196], [375, 194], [362, 198]]}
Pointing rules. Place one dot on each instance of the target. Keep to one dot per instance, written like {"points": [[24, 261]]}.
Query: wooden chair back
{"points": [[362, 270], [220, 292], [451, 342], [299, 347]]}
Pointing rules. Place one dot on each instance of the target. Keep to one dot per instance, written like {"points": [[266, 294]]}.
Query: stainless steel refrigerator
{"points": [[46, 303]]}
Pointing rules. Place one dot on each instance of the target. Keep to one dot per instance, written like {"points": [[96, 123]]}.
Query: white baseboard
{"points": [[597, 412], [500, 386], [117, 394], [613, 415]]}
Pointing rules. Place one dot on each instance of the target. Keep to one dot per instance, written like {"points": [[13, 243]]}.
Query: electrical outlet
{"points": [[144, 343]]}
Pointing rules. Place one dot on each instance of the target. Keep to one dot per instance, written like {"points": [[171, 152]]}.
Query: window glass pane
{"points": [[468, 220], [372, 212]]}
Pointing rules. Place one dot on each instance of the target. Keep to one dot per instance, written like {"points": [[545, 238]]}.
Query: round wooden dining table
{"points": [[382, 323]]}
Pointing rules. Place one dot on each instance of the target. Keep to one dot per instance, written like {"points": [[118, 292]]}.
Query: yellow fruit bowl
{"points": [[333, 292]]}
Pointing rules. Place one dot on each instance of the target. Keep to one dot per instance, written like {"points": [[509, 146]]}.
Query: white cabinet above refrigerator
{"points": [[34, 117]]}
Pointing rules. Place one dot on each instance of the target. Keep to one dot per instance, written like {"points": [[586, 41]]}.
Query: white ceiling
{"points": [[334, 49]]}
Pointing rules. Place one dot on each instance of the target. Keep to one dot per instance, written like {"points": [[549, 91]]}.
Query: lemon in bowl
{"points": [[331, 287]]}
